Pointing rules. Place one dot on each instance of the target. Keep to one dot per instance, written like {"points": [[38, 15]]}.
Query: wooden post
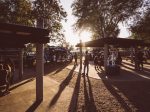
{"points": [[132, 50], [21, 64], [135, 58], [105, 56], [81, 54], [39, 66]]}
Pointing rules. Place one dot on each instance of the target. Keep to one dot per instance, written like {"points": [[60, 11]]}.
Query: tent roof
{"points": [[15, 36], [118, 42]]}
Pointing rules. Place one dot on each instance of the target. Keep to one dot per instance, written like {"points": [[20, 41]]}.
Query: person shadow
{"points": [[73, 106], [88, 95], [62, 87]]}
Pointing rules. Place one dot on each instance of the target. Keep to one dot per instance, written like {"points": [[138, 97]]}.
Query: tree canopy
{"points": [[27, 12], [16, 11], [102, 16], [52, 13], [141, 27]]}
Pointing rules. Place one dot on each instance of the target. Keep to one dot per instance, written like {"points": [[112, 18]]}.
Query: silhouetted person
{"points": [[10, 64], [86, 62], [136, 60], [101, 59], [9, 72], [119, 59], [140, 60], [75, 59], [96, 62], [4, 77]]}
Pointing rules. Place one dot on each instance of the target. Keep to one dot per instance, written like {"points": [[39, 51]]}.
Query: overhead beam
{"points": [[26, 29], [118, 42], [22, 39]]}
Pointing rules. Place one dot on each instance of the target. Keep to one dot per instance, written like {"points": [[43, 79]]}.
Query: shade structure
{"points": [[118, 42], [9, 51], [15, 36]]}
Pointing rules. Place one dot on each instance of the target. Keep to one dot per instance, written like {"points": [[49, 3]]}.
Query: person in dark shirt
{"points": [[86, 62], [119, 59], [75, 59], [96, 62], [140, 60]]}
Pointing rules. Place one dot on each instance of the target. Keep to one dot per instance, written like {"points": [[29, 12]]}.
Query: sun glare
{"points": [[85, 36], [74, 38]]}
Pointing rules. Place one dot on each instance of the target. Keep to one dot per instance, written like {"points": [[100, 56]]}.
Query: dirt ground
{"points": [[98, 95], [92, 95]]}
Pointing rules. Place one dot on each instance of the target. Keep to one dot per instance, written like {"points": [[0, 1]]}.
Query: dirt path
{"points": [[92, 95], [68, 91]]}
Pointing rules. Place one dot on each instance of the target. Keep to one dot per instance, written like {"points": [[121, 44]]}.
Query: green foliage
{"points": [[16, 11], [52, 13], [27, 12], [141, 29], [102, 16]]}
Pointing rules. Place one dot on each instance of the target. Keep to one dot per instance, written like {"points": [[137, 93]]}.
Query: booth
{"points": [[110, 65]]}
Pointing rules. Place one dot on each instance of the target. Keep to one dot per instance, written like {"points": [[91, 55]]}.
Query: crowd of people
{"points": [[114, 58], [57, 54], [7, 67]]}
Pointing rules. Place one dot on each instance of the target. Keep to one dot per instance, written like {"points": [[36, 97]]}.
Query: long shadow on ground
{"points": [[88, 96], [132, 95], [62, 86], [74, 100], [57, 67], [131, 64], [31, 72]]}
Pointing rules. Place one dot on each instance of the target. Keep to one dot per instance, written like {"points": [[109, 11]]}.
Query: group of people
{"points": [[114, 59], [7, 69], [86, 61], [98, 59]]}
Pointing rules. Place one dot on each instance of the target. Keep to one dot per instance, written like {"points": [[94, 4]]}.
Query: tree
{"points": [[27, 12], [16, 11], [52, 13], [141, 27], [102, 16]]}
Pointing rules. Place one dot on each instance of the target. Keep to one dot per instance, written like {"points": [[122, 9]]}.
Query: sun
{"points": [[85, 36], [74, 37]]}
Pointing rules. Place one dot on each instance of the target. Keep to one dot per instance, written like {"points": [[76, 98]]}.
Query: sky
{"points": [[74, 37]]}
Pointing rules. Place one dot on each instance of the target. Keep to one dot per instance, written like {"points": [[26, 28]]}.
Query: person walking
{"points": [[96, 62], [75, 59], [140, 60], [86, 62]]}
